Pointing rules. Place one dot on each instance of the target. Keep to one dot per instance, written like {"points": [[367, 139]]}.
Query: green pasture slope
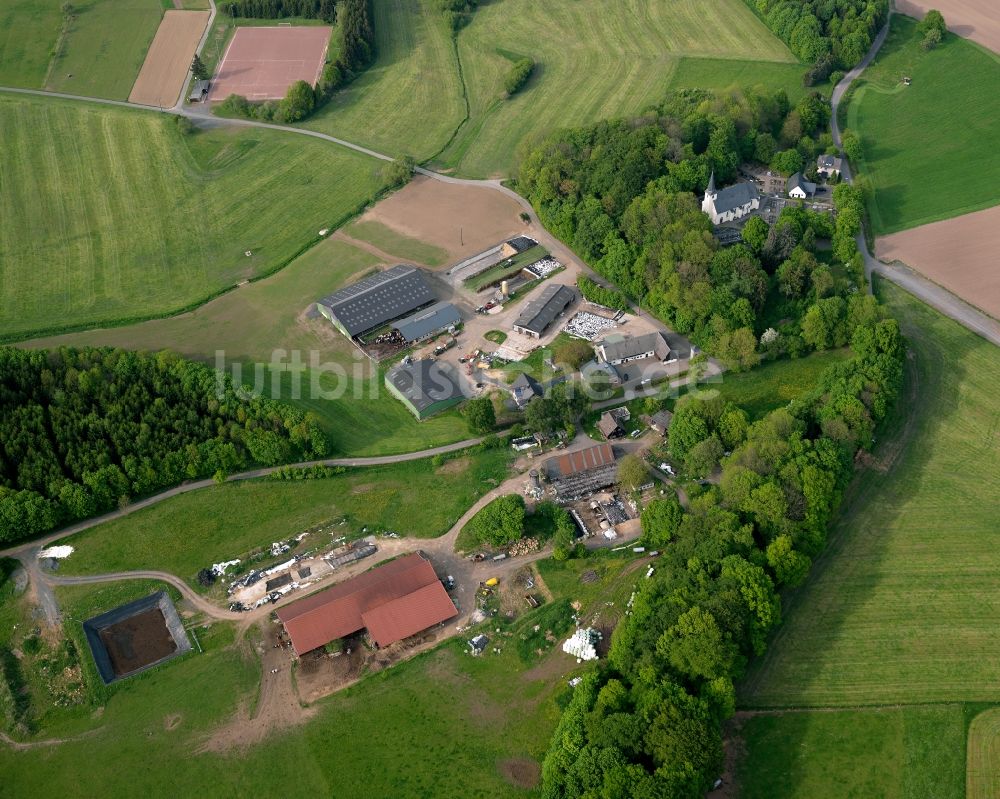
{"points": [[97, 52], [929, 148], [902, 609], [249, 325], [594, 59], [110, 214], [187, 533], [29, 30]]}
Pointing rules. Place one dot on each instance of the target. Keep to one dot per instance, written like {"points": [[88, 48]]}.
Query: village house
{"points": [[828, 165], [800, 188]]}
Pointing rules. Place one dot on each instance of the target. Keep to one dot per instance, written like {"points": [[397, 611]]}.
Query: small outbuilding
{"points": [[660, 421], [199, 91], [610, 426], [516, 245]]}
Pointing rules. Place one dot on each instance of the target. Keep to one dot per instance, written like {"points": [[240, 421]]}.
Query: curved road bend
{"points": [[23, 548]]}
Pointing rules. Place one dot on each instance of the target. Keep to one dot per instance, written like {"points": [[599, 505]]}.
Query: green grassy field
{"points": [[103, 47], [983, 756], [410, 100], [250, 324], [594, 60], [928, 147], [155, 221], [775, 384], [192, 531], [29, 30], [719, 74], [393, 243], [892, 753], [903, 606]]}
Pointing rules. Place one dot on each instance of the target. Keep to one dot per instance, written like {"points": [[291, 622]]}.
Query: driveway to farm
{"points": [[929, 292]]}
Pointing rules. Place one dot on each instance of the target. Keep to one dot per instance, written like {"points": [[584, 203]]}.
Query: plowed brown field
{"points": [[959, 254], [165, 69], [978, 20]]}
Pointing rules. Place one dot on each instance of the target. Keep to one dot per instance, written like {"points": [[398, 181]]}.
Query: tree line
{"points": [[325, 10], [83, 431], [626, 195], [647, 722], [827, 34], [356, 52]]}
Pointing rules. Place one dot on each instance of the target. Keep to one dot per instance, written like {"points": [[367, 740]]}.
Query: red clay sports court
{"points": [[261, 63]]}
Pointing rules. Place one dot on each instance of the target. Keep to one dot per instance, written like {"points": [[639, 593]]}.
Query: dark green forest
{"points": [[325, 10], [83, 431], [827, 34]]}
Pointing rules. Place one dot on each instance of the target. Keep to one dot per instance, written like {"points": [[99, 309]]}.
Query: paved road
{"points": [[28, 546]]}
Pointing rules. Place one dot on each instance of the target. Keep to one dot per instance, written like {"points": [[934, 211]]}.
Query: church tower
{"points": [[708, 204]]}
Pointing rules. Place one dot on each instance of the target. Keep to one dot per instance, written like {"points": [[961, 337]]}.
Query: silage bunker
{"points": [[134, 637]]}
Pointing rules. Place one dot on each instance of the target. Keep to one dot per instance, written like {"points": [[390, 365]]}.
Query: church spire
{"points": [[711, 184]]}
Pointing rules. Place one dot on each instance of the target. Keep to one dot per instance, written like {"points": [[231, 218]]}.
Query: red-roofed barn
{"points": [[393, 601]]}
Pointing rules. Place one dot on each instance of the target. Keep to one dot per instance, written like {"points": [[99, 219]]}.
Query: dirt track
{"points": [[978, 20], [959, 254], [164, 72]]}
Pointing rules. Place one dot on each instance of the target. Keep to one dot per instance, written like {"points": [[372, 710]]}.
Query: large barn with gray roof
{"points": [[377, 300], [542, 311]]}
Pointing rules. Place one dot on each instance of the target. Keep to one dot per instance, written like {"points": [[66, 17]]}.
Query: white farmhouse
{"points": [[732, 203], [800, 188]]}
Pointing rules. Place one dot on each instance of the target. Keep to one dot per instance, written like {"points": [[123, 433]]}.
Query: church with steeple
{"points": [[731, 204]]}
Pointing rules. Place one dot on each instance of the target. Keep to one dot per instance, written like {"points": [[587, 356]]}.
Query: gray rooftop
{"points": [[798, 181], [539, 312], [525, 388], [828, 161], [617, 348], [379, 298], [735, 196], [425, 382], [429, 320]]}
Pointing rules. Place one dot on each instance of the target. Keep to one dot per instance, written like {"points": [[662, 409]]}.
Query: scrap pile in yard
{"points": [[589, 326], [582, 644], [524, 546]]}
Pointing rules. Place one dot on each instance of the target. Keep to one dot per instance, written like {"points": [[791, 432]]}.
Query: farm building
{"points": [[610, 426], [377, 300], [429, 322], [660, 421], [577, 474], [541, 311], [800, 188], [731, 203], [392, 602], [425, 387], [828, 165], [516, 245], [525, 388], [617, 350]]}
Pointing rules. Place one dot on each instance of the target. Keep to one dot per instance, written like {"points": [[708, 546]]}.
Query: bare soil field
{"points": [[261, 63], [165, 70], [462, 220], [978, 20], [959, 254]]}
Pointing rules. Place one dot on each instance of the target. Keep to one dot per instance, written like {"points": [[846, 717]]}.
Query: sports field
{"points": [[595, 60], [102, 47], [929, 148], [901, 611], [261, 63], [164, 72], [155, 221]]}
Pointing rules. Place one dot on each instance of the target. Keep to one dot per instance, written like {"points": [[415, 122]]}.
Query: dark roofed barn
{"points": [[426, 386], [377, 300], [541, 311], [392, 601], [428, 322]]}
